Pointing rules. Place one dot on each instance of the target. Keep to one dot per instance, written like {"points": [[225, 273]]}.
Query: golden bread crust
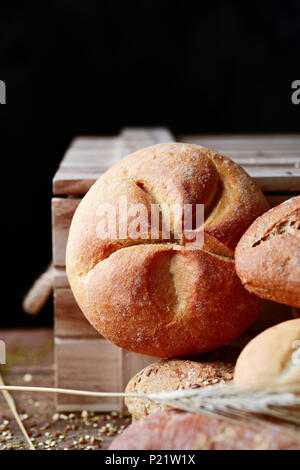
{"points": [[268, 255], [158, 297], [173, 374], [271, 357], [175, 430]]}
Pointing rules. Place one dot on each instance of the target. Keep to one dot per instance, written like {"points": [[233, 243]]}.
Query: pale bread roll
{"points": [[271, 358]]}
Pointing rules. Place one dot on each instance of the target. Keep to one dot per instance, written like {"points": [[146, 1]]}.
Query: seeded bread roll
{"points": [[272, 357], [267, 257], [160, 296], [175, 430], [173, 374]]}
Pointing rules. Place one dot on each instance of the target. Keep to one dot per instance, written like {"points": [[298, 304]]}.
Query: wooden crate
{"points": [[85, 360]]}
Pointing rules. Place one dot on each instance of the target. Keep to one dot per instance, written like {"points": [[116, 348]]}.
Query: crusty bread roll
{"points": [[173, 374], [175, 430], [268, 255], [271, 357], [160, 297]]}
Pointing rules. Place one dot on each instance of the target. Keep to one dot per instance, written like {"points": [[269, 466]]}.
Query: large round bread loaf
{"points": [[161, 297], [175, 430], [268, 254]]}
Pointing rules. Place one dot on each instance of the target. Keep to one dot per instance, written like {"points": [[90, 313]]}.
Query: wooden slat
{"points": [[94, 142], [60, 278], [88, 158], [72, 185], [267, 158], [69, 321], [275, 179], [133, 363], [88, 364], [96, 365], [133, 139], [62, 213], [79, 169], [258, 142], [273, 161], [94, 158]]}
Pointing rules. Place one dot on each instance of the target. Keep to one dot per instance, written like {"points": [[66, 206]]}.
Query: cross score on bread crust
{"points": [[158, 297]]}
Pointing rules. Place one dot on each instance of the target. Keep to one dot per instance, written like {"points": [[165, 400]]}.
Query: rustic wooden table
{"points": [[30, 361]]}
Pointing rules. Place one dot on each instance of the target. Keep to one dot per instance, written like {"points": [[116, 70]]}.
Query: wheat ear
{"points": [[11, 403]]}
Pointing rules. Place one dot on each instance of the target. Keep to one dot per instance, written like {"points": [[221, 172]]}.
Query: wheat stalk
{"points": [[228, 401], [69, 391], [10, 401]]}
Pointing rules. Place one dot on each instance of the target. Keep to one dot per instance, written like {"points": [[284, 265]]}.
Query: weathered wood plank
{"points": [[87, 364], [87, 158], [276, 179], [60, 278], [244, 141], [69, 321], [93, 142], [133, 363], [77, 173], [133, 139], [62, 213], [96, 365], [273, 161]]}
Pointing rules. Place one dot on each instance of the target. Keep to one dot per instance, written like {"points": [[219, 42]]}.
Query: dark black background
{"points": [[91, 67]]}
